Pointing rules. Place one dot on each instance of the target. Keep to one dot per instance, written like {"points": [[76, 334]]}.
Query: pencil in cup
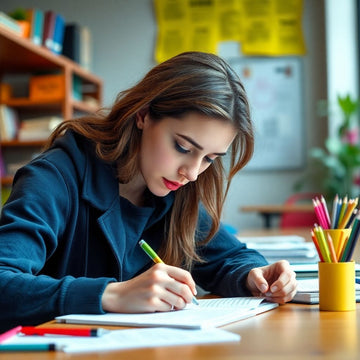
{"points": [[155, 257], [335, 240]]}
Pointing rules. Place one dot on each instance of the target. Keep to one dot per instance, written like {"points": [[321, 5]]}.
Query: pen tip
{"points": [[194, 300]]}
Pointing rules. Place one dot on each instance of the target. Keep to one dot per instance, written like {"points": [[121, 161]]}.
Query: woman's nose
{"points": [[190, 170]]}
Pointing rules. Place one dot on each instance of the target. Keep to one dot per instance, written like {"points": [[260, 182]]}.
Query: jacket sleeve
{"points": [[226, 262], [32, 222]]}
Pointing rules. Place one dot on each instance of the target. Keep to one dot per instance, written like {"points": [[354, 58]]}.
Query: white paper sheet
{"points": [[210, 313], [130, 338]]}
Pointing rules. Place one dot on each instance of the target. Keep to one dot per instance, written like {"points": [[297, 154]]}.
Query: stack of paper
{"points": [[308, 291], [292, 248], [304, 271]]}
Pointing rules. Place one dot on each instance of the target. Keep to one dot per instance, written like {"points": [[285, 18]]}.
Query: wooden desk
{"points": [[292, 331], [269, 211]]}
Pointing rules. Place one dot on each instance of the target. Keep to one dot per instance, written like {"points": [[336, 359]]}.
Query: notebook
{"points": [[209, 313], [308, 291]]}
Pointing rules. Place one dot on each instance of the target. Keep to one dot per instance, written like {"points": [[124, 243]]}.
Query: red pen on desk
{"points": [[30, 330]]}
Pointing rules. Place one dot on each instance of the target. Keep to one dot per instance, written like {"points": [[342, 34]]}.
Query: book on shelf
{"points": [[8, 123], [38, 128], [49, 26], [85, 48], [209, 313], [77, 44], [9, 23], [58, 37], [71, 44], [308, 291], [36, 19]]}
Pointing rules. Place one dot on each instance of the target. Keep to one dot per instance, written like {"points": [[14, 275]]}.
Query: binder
{"points": [[71, 43], [49, 26], [36, 19], [58, 37]]}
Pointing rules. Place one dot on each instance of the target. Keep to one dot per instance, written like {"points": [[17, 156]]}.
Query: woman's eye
{"points": [[180, 148], [209, 160]]}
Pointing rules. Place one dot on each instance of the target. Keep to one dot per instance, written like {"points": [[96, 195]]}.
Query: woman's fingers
{"points": [[161, 288]]}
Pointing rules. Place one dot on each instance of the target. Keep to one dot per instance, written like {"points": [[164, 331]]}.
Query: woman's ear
{"points": [[140, 117]]}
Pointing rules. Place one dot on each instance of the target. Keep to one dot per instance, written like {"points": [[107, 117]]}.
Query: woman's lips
{"points": [[171, 185]]}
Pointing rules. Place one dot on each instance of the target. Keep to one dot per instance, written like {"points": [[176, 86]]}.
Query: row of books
{"points": [[49, 29], [38, 128]]}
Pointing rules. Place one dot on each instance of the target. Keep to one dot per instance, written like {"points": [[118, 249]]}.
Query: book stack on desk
{"points": [[289, 247], [306, 271], [308, 283], [308, 291]]}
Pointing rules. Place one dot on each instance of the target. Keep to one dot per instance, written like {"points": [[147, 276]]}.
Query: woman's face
{"points": [[176, 151]]}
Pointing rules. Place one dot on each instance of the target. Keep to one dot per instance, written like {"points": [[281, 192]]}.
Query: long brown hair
{"points": [[189, 82]]}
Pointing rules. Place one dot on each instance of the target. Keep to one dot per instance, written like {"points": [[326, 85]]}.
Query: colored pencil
{"points": [[331, 249], [326, 211], [352, 238], [334, 209]]}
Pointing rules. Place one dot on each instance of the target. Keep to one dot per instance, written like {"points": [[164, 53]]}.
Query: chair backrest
{"points": [[301, 218]]}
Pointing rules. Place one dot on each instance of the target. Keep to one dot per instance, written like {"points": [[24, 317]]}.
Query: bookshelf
{"points": [[20, 56]]}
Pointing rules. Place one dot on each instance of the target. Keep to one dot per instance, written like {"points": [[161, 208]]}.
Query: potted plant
{"points": [[337, 165]]}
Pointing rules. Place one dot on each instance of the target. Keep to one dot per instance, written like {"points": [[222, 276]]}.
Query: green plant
{"points": [[18, 14], [338, 164]]}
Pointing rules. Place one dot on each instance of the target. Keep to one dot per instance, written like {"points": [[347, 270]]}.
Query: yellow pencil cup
{"points": [[339, 238], [337, 286]]}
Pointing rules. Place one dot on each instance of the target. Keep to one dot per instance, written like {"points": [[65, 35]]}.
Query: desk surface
{"points": [[291, 331]]}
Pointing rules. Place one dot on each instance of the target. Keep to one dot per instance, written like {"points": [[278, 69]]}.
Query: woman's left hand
{"points": [[277, 282]]}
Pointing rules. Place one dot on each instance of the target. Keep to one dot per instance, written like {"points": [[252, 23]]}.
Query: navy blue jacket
{"points": [[65, 233]]}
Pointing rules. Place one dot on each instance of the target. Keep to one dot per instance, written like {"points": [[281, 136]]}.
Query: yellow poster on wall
{"points": [[230, 20], [262, 27], [273, 27], [185, 25]]}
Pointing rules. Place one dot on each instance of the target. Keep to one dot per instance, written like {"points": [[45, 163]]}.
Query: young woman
{"points": [[150, 168]]}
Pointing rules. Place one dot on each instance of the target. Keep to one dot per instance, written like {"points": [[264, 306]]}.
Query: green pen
{"points": [[155, 257]]}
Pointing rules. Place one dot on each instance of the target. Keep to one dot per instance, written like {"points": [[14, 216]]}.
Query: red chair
{"points": [[298, 219]]}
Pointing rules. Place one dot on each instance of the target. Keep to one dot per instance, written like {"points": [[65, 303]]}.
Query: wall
{"points": [[342, 63], [124, 34]]}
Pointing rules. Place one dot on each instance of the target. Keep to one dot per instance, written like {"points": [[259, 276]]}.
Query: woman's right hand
{"points": [[161, 288]]}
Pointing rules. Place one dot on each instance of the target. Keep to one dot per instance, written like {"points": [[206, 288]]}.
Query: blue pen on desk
{"points": [[29, 347], [155, 257]]}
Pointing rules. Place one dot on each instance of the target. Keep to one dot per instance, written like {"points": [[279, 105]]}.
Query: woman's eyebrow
{"points": [[193, 142]]}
